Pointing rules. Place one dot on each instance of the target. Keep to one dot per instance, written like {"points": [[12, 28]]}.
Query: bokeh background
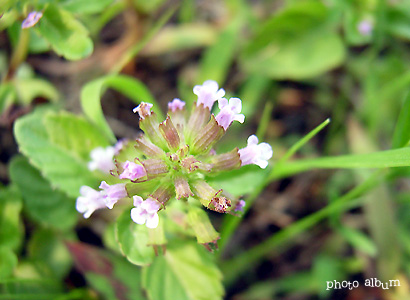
{"points": [[294, 64]]}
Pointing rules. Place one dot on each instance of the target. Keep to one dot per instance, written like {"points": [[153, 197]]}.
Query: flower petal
{"points": [[138, 216], [152, 221]]}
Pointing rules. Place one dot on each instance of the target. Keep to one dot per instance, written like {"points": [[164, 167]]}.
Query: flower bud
{"points": [[182, 188], [207, 137], [170, 134]]}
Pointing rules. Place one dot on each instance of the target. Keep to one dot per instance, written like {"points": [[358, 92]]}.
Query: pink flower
{"points": [[240, 205], [112, 193], [365, 27], [208, 93], [145, 212], [119, 145], [102, 159], [89, 201], [176, 104], [144, 109], [31, 19], [132, 171], [255, 154], [229, 112]]}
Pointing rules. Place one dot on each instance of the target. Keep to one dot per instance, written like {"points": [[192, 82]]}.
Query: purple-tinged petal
{"points": [[230, 111], [89, 201], [137, 200], [138, 215], [113, 193], [144, 109], [132, 171], [152, 221], [175, 105], [255, 154], [208, 93], [32, 19]]}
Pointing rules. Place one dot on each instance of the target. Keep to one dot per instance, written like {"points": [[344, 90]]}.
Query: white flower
{"points": [[144, 109], [89, 201], [229, 112], [255, 154], [102, 159], [208, 93], [145, 212], [176, 104]]}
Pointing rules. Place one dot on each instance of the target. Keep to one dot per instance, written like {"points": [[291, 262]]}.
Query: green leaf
{"points": [[8, 261], [218, 58], [7, 96], [239, 182], [133, 239], [29, 289], [296, 43], [45, 205], [92, 92], [111, 275], [401, 136], [49, 254], [29, 89], [359, 240], [67, 36], [58, 144], [186, 272], [381, 159], [85, 7], [11, 231]]}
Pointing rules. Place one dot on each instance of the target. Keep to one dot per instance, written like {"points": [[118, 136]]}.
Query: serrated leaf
{"points": [[58, 144], [45, 205], [92, 92], [67, 36], [185, 272], [296, 43], [133, 239]]}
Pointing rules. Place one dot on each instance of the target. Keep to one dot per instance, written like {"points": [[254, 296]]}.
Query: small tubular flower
{"points": [[132, 171], [230, 111], [365, 27], [144, 110], [113, 193], [145, 212], [176, 104], [32, 19], [89, 201], [255, 153], [102, 159], [208, 93]]}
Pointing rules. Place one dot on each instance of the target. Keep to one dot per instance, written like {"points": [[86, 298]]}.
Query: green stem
{"points": [[236, 266], [19, 53]]}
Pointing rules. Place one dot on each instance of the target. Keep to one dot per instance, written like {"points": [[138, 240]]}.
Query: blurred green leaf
{"points": [[186, 272], [326, 267], [218, 58], [359, 240], [299, 42], [401, 136], [8, 261], [85, 7], [7, 96], [29, 289], [11, 231], [49, 254], [92, 92], [36, 43], [29, 89], [381, 159], [67, 36], [58, 144], [45, 205], [147, 6], [133, 239], [112, 276]]}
